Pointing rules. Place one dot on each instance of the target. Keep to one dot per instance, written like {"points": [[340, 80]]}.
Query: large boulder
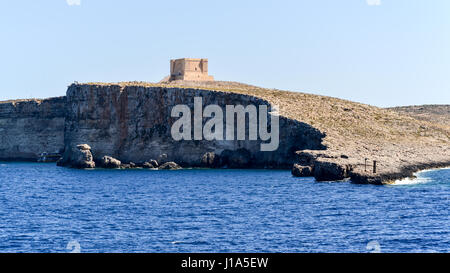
{"points": [[110, 162], [169, 166], [79, 157], [301, 171], [325, 170], [210, 160], [154, 163], [130, 165]]}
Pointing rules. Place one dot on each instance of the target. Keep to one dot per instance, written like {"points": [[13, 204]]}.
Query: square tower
{"points": [[188, 69]]}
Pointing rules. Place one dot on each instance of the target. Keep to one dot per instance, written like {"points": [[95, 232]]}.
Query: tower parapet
{"points": [[189, 69]]}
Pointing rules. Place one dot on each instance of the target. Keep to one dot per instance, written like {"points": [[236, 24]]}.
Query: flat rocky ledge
{"points": [[389, 178], [334, 167]]}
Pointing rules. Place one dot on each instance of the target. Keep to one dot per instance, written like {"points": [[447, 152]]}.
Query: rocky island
{"points": [[324, 137], [128, 125]]}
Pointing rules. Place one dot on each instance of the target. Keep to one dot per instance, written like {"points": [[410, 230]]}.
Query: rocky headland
{"points": [[127, 125]]}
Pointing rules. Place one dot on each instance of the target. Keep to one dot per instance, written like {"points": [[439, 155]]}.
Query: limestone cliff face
{"points": [[31, 127], [133, 123]]}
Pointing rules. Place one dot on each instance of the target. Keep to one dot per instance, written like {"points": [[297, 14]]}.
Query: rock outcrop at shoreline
{"points": [[109, 162], [302, 171], [79, 157], [169, 166], [328, 138]]}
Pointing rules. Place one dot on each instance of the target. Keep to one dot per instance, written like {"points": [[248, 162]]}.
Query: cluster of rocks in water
{"points": [[81, 157], [324, 167]]}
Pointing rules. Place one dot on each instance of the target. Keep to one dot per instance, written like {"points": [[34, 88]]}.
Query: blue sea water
{"points": [[44, 208]]}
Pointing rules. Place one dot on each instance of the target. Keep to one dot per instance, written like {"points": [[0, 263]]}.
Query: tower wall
{"points": [[189, 70]]}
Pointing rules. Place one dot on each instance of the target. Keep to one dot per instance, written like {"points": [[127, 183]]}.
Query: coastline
{"points": [[359, 167], [410, 175]]}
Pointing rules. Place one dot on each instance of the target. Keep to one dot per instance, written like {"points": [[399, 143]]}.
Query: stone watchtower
{"points": [[188, 69]]}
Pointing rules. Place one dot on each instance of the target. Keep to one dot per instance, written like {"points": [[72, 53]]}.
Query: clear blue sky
{"points": [[384, 53]]}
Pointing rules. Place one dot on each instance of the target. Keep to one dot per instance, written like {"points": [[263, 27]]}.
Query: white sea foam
{"points": [[419, 178], [412, 181], [431, 170]]}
